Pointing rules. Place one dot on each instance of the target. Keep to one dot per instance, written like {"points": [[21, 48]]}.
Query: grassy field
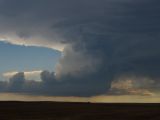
{"points": [[77, 111]]}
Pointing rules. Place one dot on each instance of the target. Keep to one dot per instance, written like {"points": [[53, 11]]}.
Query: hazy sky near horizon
{"points": [[80, 48]]}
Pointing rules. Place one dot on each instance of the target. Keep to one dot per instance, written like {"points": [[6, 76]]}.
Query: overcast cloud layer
{"points": [[101, 42]]}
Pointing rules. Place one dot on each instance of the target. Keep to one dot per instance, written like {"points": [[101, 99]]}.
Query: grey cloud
{"points": [[51, 86], [104, 39], [16, 82], [47, 77], [69, 85]]}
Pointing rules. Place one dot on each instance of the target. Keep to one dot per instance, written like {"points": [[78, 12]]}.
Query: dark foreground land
{"points": [[77, 111]]}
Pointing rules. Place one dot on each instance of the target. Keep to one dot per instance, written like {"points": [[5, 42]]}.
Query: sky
{"points": [[24, 58], [28, 57], [101, 49]]}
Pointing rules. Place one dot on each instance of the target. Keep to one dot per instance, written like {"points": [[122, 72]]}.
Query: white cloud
{"points": [[33, 41]]}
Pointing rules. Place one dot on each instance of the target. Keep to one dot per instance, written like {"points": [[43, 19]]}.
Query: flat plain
{"points": [[77, 111]]}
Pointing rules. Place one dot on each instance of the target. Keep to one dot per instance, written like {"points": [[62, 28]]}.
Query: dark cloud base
{"points": [[50, 86]]}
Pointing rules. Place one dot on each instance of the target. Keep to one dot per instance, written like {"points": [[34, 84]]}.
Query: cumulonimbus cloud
{"points": [[100, 40]]}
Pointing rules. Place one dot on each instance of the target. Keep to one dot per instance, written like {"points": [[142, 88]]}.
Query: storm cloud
{"points": [[100, 41], [49, 85]]}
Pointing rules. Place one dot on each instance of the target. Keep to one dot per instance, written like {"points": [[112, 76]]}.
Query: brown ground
{"points": [[77, 111]]}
